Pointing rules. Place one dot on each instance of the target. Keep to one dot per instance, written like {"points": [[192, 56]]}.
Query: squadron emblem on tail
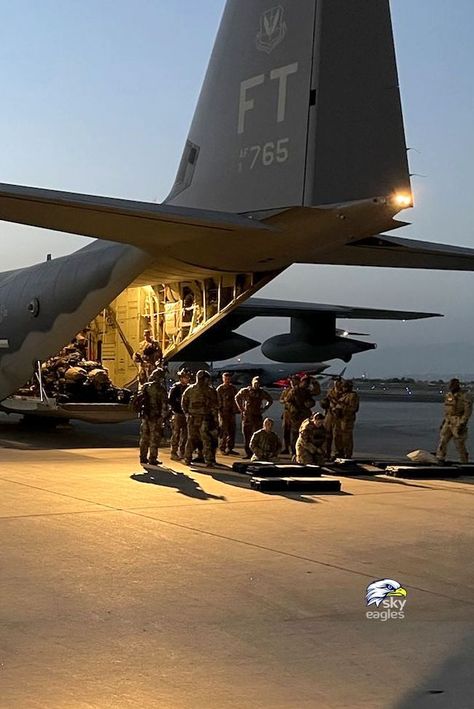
{"points": [[273, 29]]}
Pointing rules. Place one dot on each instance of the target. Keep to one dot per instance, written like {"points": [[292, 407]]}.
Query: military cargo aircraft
{"points": [[296, 154], [271, 374]]}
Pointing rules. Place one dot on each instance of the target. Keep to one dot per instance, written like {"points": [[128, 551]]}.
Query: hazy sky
{"points": [[97, 97]]}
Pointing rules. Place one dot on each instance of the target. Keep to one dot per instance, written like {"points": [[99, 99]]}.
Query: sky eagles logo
{"points": [[388, 597], [272, 29], [378, 591]]}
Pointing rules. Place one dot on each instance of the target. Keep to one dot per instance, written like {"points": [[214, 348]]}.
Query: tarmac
{"points": [[185, 589]]}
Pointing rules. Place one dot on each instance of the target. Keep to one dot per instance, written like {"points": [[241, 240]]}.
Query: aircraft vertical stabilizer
{"points": [[357, 146], [300, 106]]}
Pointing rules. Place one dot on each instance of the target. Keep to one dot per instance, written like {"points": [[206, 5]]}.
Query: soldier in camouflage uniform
{"points": [[149, 352], [200, 405], [457, 412], [142, 375], [332, 407], [179, 424], [299, 403], [349, 402], [293, 382], [252, 401], [265, 444], [226, 394], [311, 443], [154, 407]]}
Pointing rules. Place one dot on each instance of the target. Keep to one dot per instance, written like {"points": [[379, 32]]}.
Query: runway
{"points": [[189, 590]]}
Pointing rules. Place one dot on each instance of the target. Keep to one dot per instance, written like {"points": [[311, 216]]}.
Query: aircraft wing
{"points": [[263, 307], [120, 220], [225, 343]]}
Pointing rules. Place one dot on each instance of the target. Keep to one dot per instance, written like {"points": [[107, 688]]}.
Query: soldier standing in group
{"points": [[457, 412], [331, 404], [142, 375], [153, 408], [293, 382], [265, 444], [200, 405], [226, 394], [149, 351], [299, 403], [311, 443], [179, 424], [349, 402], [251, 404]]}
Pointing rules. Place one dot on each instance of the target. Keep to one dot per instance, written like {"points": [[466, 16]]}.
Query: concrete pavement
{"points": [[189, 590]]}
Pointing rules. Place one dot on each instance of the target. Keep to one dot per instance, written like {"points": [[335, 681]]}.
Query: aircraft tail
{"points": [[300, 106]]}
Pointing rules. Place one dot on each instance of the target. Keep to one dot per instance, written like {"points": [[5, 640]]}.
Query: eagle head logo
{"points": [[378, 591]]}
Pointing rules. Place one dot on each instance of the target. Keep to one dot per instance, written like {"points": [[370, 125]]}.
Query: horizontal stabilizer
{"points": [[124, 221], [394, 252]]}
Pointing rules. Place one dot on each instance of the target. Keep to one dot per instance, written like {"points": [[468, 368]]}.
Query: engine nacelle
{"points": [[216, 346], [285, 348]]}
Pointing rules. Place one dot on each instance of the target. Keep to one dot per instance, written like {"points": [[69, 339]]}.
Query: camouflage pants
{"points": [[249, 426], [287, 430], [179, 435], [347, 436], [305, 456], [333, 427], [201, 431], [295, 425], [227, 424], [150, 437], [449, 430]]}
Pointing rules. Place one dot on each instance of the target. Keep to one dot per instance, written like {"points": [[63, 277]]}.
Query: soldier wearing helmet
{"points": [[286, 417], [149, 352], [200, 405], [332, 407], [154, 407], [457, 412], [349, 405], [299, 404], [179, 425]]}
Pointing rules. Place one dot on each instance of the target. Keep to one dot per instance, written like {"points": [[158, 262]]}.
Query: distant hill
{"points": [[426, 361]]}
